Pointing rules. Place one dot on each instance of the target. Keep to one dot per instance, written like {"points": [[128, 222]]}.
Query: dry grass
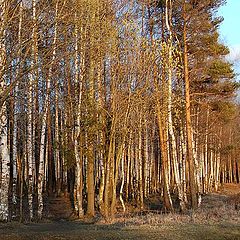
{"points": [[216, 208], [217, 219], [224, 214]]}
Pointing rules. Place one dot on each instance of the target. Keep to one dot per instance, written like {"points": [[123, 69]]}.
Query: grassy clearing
{"points": [[203, 224], [77, 230], [217, 219]]}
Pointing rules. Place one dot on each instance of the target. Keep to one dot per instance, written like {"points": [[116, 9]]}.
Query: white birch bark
{"points": [[205, 170], [4, 160], [4, 150], [128, 165], [218, 161], [210, 177], [34, 82], [41, 175], [23, 161], [57, 140], [147, 164], [140, 160], [197, 172], [183, 163], [123, 179], [77, 133], [170, 121]]}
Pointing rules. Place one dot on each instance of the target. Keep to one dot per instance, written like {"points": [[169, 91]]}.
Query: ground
{"points": [[217, 219], [77, 231]]}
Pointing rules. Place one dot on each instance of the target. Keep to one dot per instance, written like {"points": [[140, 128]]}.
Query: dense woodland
{"points": [[114, 101]]}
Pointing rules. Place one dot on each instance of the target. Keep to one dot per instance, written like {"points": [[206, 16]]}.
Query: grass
{"points": [[165, 231], [201, 224], [217, 219]]}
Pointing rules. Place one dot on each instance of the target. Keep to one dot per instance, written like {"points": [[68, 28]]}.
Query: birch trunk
{"points": [[4, 151], [77, 133], [141, 193], [217, 168], [41, 174], [164, 156], [31, 118], [147, 165], [123, 180], [172, 139]]}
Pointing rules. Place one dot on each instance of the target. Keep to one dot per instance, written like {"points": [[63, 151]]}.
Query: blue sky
{"points": [[230, 30]]}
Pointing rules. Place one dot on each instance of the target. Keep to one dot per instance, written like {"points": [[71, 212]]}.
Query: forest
{"points": [[112, 102]]}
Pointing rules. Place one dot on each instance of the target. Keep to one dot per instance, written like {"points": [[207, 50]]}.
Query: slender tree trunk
{"points": [[193, 192], [164, 157], [123, 179], [4, 151], [139, 150], [46, 111], [78, 134], [172, 139]]}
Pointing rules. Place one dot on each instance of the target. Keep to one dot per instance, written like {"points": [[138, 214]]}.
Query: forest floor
{"points": [[217, 219]]}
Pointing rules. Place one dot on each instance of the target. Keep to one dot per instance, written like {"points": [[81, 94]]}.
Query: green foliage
{"points": [[225, 110], [213, 46], [220, 69], [227, 88]]}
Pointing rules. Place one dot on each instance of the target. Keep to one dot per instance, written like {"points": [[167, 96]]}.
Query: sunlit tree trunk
{"points": [[140, 159], [192, 180], [77, 134], [4, 150], [172, 139], [164, 157], [46, 110]]}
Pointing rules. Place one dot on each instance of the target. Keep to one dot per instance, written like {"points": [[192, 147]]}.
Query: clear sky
{"points": [[230, 31]]}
